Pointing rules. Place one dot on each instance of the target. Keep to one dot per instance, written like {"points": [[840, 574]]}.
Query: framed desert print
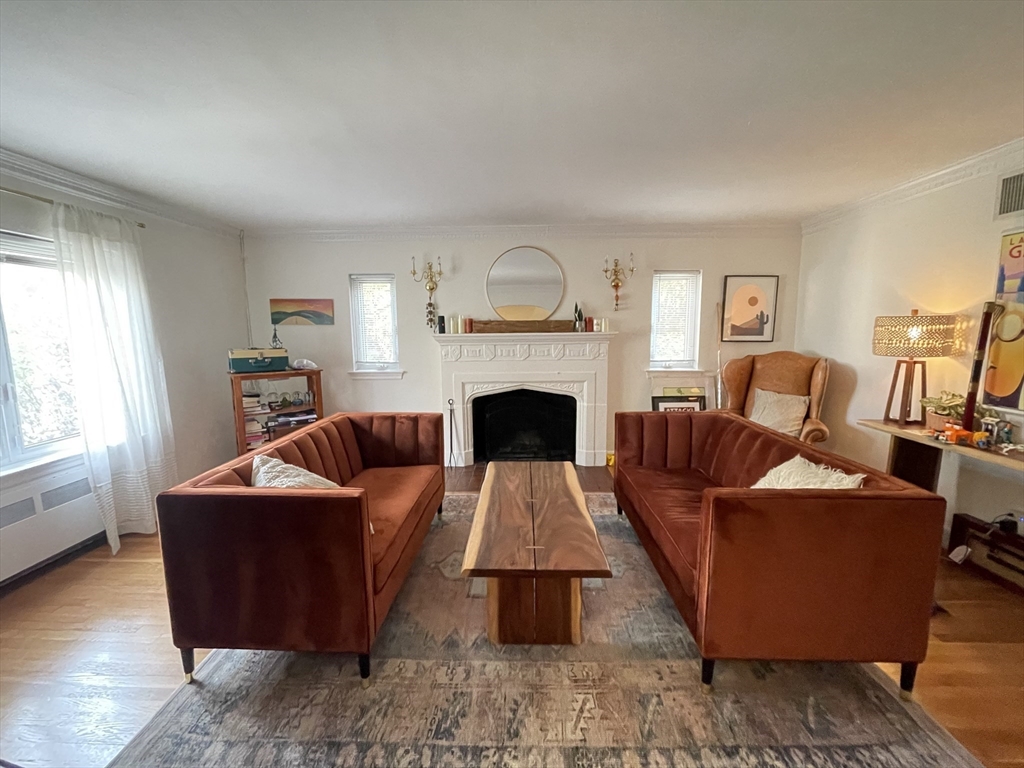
{"points": [[748, 307], [678, 403]]}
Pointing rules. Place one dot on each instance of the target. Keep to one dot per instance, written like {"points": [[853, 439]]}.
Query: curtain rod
{"points": [[30, 196]]}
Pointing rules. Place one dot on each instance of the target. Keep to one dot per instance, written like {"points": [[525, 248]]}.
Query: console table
{"points": [[916, 457]]}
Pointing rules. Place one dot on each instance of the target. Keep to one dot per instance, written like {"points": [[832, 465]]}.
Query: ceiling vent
{"points": [[1011, 195]]}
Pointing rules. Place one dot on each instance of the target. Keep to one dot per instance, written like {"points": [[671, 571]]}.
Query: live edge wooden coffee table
{"points": [[534, 540]]}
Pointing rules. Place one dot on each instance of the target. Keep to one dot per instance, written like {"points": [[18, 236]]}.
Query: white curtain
{"points": [[117, 367]]}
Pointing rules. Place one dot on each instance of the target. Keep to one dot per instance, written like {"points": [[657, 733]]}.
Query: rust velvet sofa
{"points": [[300, 569], [773, 574]]}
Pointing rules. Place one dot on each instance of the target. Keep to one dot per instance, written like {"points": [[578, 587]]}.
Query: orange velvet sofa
{"points": [[778, 574], [300, 569]]}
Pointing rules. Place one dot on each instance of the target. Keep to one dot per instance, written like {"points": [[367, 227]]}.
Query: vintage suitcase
{"points": [[257, 360]]}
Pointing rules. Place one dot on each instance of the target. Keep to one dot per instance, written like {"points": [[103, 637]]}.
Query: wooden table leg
{"points": [[545, 611]]}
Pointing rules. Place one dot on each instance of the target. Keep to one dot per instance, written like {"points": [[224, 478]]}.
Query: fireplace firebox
{"points": [[524, 425]]}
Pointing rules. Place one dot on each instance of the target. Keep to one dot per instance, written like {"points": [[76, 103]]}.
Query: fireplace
{"points": [[524, 425], [476, 365]]}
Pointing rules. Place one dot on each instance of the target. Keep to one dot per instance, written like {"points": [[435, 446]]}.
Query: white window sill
{"points": [[376, 374], [35, 469], [662, 369]]}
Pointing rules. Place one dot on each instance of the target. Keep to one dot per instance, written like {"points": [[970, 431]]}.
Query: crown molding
{"points": [[532, 232], [1007, 158], [67, 182]]}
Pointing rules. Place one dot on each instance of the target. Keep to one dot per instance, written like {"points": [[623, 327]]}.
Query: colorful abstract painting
{"points": [[749, 307], [1004, 379], [302, 311]]}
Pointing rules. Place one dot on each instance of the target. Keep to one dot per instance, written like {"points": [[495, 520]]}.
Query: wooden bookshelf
{"points": [[312, 378]]}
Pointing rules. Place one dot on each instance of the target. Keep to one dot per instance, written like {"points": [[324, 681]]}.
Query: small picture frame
{"points": [[668, 403], [748, 307]]}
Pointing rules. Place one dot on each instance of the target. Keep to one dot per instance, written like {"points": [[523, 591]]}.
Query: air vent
{"points": [[64, 493], [19, 510], [1011, 194]]}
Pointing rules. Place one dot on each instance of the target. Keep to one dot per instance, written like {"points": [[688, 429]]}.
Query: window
{"points": [[374, 322], [38, 413], [675, 324]]}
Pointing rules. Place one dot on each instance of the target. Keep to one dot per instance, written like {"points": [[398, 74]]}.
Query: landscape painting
{"points": [[302, 311], [749, 307]]}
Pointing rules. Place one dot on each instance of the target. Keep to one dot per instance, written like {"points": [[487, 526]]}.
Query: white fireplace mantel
{"points": [[575, 364]]}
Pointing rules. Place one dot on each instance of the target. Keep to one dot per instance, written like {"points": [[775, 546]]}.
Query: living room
{"points": [[554, 292]]}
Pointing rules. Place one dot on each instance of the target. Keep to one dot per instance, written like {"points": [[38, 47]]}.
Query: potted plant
{"points": [[949, 407]]}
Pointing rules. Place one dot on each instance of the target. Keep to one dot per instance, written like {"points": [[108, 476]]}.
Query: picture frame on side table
{"points": [[678, 403], [749, 305]]}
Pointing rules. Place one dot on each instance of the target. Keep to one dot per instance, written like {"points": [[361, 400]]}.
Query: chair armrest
{"points": [[844, 575], [813, 431], [268, 568]]}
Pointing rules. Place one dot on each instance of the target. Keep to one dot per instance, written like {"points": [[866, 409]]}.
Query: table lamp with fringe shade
{"points": [[910, 337]]}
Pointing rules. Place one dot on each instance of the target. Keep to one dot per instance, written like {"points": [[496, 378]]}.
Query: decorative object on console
{"points": [[948, 407], [749, 304], [1004, 375], [909, 337], [430, 279], [524, 326], [618, 276], [678, 403], [302, 311], [524, 284], [579, 323], [989, 316], [789, 373], [440, 323]]}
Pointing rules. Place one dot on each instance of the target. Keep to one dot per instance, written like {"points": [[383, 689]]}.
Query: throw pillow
{"points": [[268, 472], [798, 472], [783, 413]]}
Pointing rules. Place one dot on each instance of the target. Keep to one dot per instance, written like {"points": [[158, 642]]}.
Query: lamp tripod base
{"points": [[906, 398]]}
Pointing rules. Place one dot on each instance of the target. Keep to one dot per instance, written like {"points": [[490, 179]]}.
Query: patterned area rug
{"points": [[443, 696]]}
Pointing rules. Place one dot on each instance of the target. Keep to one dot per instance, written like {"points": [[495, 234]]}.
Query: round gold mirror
{"points": [[524, 284]]}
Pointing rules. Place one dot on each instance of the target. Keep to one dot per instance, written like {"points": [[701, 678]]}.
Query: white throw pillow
{"points": [[798, 472], [783, 413], [268, 472]]}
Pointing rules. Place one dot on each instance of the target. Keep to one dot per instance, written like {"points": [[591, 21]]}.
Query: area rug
{"points": [[442, 696]]}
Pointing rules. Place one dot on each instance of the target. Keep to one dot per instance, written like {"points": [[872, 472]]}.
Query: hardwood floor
{"points": [[86, 657]]}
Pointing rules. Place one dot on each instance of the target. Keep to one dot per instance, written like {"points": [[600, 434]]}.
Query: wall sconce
{"points": [[618, 276], [431, 279]]}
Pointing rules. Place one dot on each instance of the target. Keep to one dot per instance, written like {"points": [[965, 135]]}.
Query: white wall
{"points": [[198, 299], [297, 268], [933, 245]]}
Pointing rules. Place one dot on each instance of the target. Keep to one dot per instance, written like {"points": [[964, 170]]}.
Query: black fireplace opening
{"points": [[524, 425]]}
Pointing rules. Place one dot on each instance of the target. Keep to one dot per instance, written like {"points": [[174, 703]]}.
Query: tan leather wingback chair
{"points": [[789, 373]]}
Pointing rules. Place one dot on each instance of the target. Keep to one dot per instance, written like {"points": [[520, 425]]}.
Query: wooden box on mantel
{"points": [[523, 326]]}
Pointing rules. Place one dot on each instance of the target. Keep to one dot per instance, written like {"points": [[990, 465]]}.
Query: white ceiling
{"points": [[329, 115]]}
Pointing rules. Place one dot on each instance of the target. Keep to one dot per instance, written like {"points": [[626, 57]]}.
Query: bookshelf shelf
{"points": [[312, 378]]}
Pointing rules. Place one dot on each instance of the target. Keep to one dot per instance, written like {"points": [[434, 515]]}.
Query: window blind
{"points": [[374, 322], [675, 312]]}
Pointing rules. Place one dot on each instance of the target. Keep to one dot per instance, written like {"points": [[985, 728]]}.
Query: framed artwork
{"points": [[678, 403], [302, 311], [1004, 376], [748, 307]]}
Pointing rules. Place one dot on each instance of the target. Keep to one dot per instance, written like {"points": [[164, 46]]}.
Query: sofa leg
{"points": [[364, 669], [188, 662], [707, 672], [440, 507], [619, 508], [908, 672]]}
